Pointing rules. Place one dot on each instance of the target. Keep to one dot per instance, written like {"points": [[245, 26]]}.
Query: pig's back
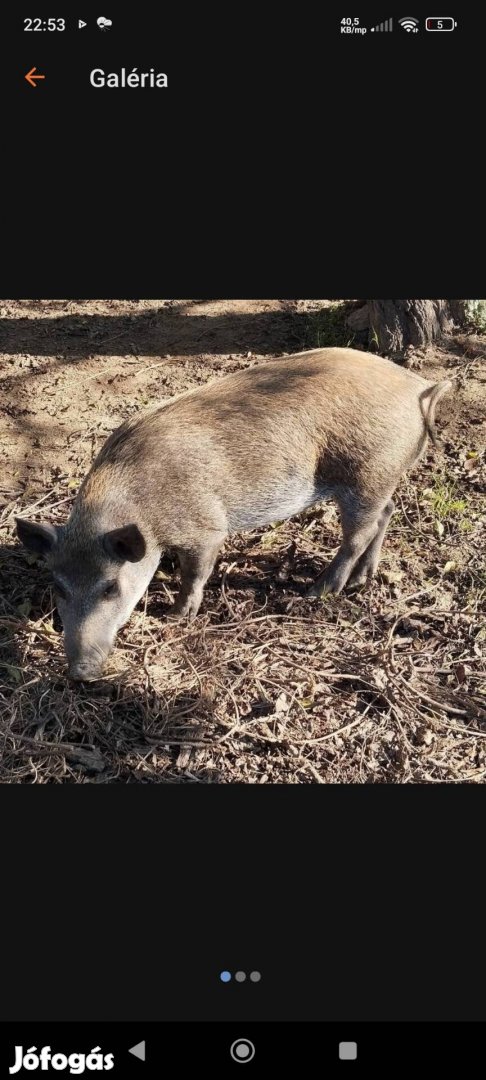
{"points": [[304, 395], [319, 383], [301, 405], [272, 439], [297, 430]]}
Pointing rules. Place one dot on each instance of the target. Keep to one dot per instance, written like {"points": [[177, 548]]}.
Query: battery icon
{"points": [[440, 24]]}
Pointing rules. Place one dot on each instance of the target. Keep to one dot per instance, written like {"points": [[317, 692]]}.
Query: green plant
{"points": [[327, 328], [443, 500], [374, 337], [476, 312], [272, 538]]}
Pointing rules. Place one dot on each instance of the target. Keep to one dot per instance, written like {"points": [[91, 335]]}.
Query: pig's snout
{"points": [[85, 671], [87, 668]]}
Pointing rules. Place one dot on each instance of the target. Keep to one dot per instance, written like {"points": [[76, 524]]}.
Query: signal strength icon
{"points": [[409, 24], [384, 26]]}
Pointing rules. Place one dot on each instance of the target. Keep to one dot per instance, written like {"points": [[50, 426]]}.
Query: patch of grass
{"points": [[443, 500], [476, 595], [273, 537], [327, 328]]}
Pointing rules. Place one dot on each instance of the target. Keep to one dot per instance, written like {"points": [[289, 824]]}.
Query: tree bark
{"points": [[395, 324]]}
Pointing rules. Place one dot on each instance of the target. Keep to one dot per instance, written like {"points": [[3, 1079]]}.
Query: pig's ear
{"points": [[126, 544], [39, 538]]}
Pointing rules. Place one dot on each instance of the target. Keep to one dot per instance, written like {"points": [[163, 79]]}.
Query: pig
{"points": [[245, 450]]}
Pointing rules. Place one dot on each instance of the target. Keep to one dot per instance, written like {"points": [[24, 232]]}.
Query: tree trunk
{"points": [[394, 324]]}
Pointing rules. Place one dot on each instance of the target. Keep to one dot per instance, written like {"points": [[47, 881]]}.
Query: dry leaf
{"points": [[91, 759], [392, 577], [281, 704], [425, 736], [460, 672], [183, 757]]}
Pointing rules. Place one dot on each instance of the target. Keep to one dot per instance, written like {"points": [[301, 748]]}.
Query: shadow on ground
{"points": [[154, 333]]}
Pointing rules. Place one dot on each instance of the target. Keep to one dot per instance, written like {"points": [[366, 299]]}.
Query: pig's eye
{"points": [[110, 590]]}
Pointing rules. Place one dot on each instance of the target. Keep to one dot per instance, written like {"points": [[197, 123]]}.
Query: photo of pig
{"points": [[204, 477], [220, 592]]}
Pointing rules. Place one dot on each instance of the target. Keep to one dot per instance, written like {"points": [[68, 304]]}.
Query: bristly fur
{"points": [[279, 432]]}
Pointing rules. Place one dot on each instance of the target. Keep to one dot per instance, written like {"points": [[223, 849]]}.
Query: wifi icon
{"points": [[409, 24]]}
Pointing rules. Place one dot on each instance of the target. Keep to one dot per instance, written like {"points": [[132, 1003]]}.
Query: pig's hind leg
{"points": [[367, 564], [363, 532], [196, 566]]}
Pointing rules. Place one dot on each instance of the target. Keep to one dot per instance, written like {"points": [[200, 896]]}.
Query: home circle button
{"points": [[242, 1050]]}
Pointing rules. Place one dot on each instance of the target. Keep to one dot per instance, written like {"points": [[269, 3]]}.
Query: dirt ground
{"points": [[381, 686]]}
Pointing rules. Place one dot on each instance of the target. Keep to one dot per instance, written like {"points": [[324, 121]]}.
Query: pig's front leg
{"points": [[196, 566]]}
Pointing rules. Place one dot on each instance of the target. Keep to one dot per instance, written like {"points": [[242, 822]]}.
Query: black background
{"points": [[284, 159], [126, 903], [276, 1046]]}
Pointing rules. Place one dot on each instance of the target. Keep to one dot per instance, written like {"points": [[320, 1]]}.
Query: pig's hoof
{"points": [[319, 591], [175, 614], [360, 577], [357, 581], [185, 610], [323, 588]]}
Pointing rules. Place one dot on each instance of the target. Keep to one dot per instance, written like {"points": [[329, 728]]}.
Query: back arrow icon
{"points": [[31, 76]]}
